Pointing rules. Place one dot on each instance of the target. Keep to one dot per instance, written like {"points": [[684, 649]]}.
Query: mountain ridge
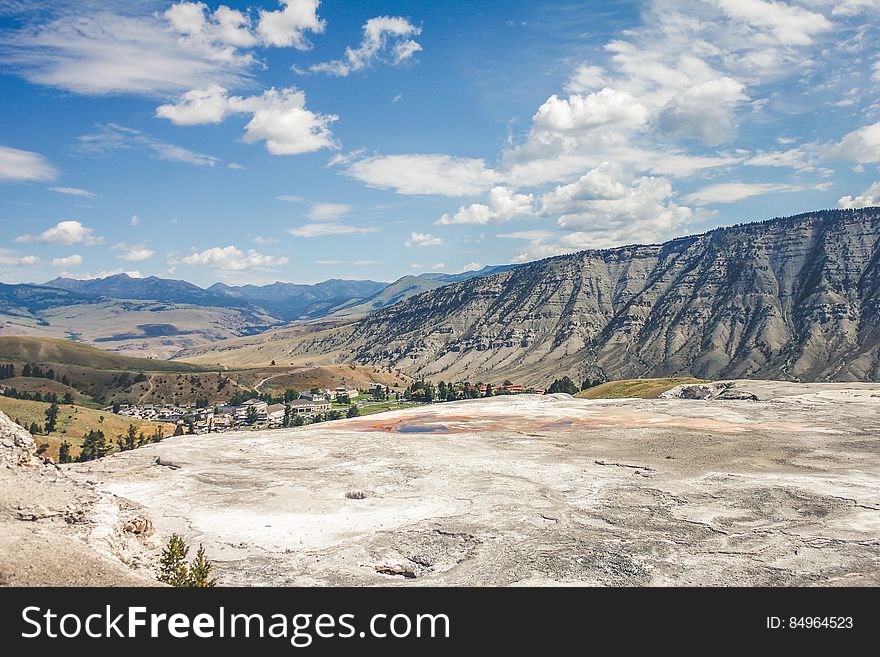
{"points": [[791, 297]]}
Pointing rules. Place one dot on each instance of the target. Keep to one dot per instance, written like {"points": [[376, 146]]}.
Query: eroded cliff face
{"points": [[792, 298]]}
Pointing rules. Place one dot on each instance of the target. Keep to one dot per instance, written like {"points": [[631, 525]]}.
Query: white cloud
{"points": [[424, 174], [328, 228], [230, 258], [585, 78], [606, 208], [386, 38], [870, 197], [69, 261], [95, 50], [287, 26], [290, 198], [112, 137], [423, 239], [64, 233], [265, 241], [134, 220], [11, 258], [235, 166], [102, 52], [703, 111], [278, 117], [471, 266], [788, 24], [328, 211], [101, 274], [131, 253], [862, 145], [502, 204], [602, 108], [73, 191], [737, 191], [17, 165]]}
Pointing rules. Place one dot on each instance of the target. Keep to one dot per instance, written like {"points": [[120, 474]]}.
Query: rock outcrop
{"points": [[57, 529]]}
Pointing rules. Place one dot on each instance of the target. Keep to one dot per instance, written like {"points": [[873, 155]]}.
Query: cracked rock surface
{"points": [[779, 486]]}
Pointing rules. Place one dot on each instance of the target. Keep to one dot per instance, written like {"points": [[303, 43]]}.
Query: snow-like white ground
{"points": [[534, 490]]}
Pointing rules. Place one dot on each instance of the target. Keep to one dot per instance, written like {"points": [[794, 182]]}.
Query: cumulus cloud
{"points": [[12, 258], [386, 38], [501, 204], [287, 26], [577, 112], [861, 146], [585, 78], [230, 258], [73, 191], [69, 261], [424, 174], [106, 273], [65, 233], [423, 239], [870, 197], [22, 166], [704, 111], [113, 137], [278, 116], [130, 253], [602, 210]]}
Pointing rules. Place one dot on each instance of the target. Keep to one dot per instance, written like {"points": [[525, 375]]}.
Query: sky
{"points": [[253, 142]]}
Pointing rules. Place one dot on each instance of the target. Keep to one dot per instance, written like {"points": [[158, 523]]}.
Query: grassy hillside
{"points": [[73, 422], [44, 386], [65, 352], [643, 388]]}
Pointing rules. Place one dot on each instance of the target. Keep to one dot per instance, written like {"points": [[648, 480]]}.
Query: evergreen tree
{"points": [[68, 398], [298, 421], [200, 571], [489, 390], [172, 568], [51, 417], [94, 446], [565, 384], [64, 453], [178, 430], [251, 417], [353, 411], [34, 429]]}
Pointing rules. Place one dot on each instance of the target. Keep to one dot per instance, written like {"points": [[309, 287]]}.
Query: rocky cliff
{"points": [[791, 298]]}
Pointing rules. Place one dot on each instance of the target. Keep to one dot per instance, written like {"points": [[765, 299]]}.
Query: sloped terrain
{"points": [[793, 298]]}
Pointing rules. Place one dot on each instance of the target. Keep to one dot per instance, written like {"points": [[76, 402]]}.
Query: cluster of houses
{"points": [[223, 417]]}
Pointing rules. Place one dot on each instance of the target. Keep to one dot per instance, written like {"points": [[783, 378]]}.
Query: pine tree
{"points": [[51, 417], [200, 571], [64, 453], [172, 568], [353, 411]]}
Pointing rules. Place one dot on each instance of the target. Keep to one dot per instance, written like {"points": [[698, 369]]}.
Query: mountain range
{"points": [[158, 317], [789, 298]]}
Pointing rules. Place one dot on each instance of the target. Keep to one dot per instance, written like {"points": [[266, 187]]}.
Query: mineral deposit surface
{"points": [[778, 487]]}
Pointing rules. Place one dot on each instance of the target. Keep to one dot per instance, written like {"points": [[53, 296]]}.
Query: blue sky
{"points": [[249, 142]]}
